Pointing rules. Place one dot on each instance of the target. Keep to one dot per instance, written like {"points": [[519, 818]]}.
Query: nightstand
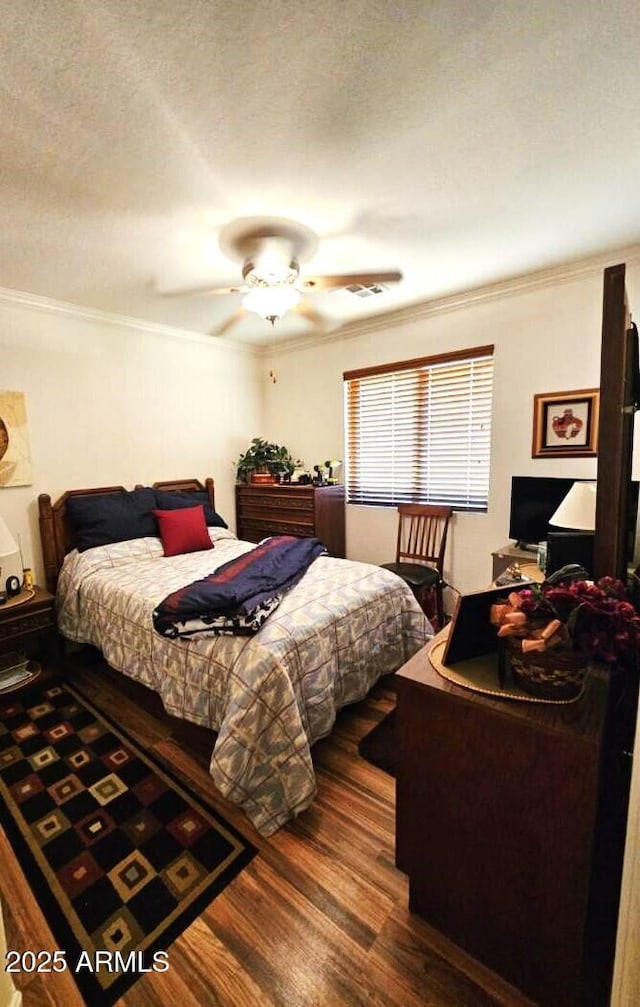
{"points": [[30, 626]]}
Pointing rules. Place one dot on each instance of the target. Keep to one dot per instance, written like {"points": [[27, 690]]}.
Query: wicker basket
{"points": [[552, 674]]}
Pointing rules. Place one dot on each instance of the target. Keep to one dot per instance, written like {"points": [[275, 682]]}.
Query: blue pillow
{"points": [[112, 517], [167, 500]]}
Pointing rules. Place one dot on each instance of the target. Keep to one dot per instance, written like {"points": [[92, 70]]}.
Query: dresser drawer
{"points": [[256, 502], [254, 530], [28, 623], [252, 510]]}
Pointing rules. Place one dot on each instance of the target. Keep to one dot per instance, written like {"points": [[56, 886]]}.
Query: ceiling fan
{"points": [[270, 250]]}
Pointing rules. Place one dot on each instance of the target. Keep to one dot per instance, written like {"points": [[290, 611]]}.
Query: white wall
{"points": [[546, 337], [110, 403]]}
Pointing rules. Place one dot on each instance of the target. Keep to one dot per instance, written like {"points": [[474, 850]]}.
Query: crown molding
{"points": [[21, 298], [565, 273], [524, 283]]}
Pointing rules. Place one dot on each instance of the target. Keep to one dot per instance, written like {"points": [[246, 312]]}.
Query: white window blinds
{"points": [[419, 431]]}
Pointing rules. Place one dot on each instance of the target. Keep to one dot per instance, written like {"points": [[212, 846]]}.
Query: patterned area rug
{"points": [[120, 855]]}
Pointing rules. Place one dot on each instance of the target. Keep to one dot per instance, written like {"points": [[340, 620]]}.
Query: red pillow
{"points": [[183, 530]]}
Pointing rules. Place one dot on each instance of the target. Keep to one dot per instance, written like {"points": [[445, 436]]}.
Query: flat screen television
{"points": [[534, 499]]}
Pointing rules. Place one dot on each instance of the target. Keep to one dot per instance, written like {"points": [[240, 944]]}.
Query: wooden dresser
{"points": [[496, 819], [318, 511]]}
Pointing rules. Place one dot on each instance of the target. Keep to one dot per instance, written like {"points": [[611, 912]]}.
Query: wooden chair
{"points": [[422, 540]]}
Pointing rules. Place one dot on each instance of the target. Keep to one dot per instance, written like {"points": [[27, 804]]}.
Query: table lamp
{"points": [[8, 547], [575, 519], [578, 509]]}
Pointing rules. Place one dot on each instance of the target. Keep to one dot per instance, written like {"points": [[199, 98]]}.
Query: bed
{"points": [[269, 696]]}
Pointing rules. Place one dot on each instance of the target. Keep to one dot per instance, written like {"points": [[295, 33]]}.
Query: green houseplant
{"points": [[264, 456]]}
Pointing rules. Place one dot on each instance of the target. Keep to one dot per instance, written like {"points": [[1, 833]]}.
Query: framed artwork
{"points": [[15, 454], [565, 424]]}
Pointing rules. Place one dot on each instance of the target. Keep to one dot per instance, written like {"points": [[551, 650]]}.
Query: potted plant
{"points": [[265, 458]]}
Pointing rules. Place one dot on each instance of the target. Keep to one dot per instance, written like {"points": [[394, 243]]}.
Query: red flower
{"points": [[599, 618]]}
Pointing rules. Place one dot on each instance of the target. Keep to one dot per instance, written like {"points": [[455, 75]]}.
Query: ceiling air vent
{"points": [[366, 291]]}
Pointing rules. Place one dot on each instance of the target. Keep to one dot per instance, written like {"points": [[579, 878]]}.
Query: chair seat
{"points": [[416, 575]]}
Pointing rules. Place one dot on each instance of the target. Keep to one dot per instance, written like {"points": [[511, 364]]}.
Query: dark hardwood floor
{"points": [[318, 919]]}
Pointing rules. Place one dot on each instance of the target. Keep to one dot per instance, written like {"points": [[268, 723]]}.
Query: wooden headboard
{"points": [[56, 533]]}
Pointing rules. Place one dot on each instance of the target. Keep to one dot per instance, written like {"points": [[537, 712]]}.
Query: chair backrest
{"points": [[422, 534]]}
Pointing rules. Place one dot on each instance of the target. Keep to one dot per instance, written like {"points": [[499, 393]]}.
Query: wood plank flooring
{"points": [[318, 919]]}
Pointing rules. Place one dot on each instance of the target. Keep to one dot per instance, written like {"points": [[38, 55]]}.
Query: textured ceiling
{"points": [[462, 143]]}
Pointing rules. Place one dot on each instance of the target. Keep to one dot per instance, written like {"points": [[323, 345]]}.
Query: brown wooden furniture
{"points": [[420, 548], [56, 532], [28, 625], [618, 392], [496, 812], [274, 509], [502, 558]]}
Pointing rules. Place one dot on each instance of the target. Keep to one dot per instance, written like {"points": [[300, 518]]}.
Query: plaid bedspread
{"points": [[269, 696]]}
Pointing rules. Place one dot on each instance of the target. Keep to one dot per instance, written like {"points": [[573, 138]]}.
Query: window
{"points": [[419, 431]]}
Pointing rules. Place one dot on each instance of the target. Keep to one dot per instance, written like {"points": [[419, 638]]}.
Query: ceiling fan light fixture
{"points": [[272, 302], [271, 250], [270, 267]]}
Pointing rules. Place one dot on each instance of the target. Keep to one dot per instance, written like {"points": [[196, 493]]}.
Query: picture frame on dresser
{"points": [[471, 633]]}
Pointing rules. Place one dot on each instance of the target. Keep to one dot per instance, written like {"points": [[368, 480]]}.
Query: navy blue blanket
{"points": [[235, 597]]}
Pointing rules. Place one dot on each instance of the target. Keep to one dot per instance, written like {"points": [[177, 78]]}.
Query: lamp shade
{"points": [[8, 545], [578, 509]]}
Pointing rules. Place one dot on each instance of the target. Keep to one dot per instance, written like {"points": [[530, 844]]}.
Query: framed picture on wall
{"points": [[15, 453], [565, 424]]}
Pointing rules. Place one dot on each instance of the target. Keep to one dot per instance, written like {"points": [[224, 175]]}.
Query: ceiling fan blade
{"points": [[203, 291], [232, 320], [350, 280], [315, 317]]}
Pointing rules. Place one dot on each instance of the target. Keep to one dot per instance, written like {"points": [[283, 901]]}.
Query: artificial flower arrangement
{"points": [[595, 619]]}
